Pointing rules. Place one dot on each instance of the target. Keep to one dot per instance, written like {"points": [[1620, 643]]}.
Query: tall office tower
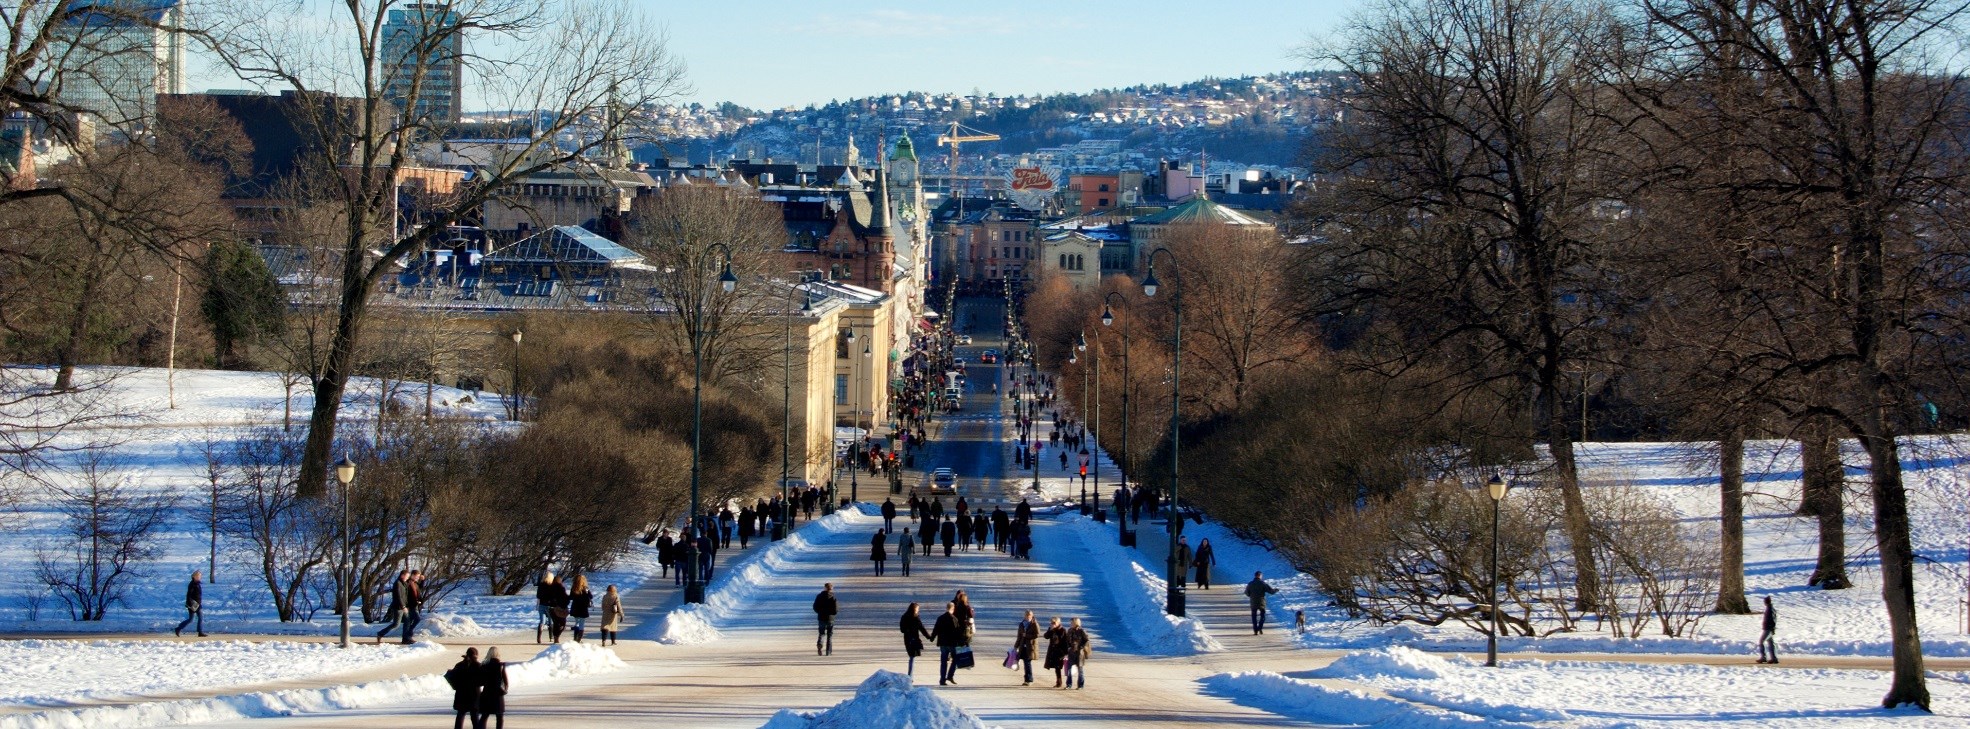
{"points": [[422, 48], [118, 55]]}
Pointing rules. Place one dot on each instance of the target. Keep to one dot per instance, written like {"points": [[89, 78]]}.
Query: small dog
{"points": [[1299, 620]]}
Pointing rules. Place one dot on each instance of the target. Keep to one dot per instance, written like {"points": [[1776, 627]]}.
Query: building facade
{"points": [[422, 62], [120, 55]]}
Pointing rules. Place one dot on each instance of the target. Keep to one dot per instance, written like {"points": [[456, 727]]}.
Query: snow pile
{"points": [[1395, 662], [1313, 702], [734, 585], [886, 699], [55, 672], [1138, 594], [557, 662]]}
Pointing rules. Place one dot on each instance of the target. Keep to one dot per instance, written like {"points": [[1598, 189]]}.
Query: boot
{"points": [[577, 635]]}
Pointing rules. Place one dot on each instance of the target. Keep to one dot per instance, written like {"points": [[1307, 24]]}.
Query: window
{"points": [[1102, 202], [841, 389], [1104, 188], [1063, 260], [841, 343]]}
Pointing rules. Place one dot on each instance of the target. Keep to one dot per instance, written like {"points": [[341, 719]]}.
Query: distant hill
{"points": [[1255, 120]]}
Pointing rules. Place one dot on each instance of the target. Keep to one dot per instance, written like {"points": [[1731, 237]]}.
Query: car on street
{"points": [[943, 480], [991, 356], [964, 339]]}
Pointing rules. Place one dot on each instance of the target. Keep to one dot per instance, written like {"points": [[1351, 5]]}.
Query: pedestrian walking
{"points": [[906, 548], [666, 555], [492, 691], [913, 635], [464, 681], [1767, 646], [1000, 524], [879, 550], [949, 637], [1183, 558], [1056, 650], [1027, 644], [981, 525], [580, 599], [707, 551], [725, 523], [949, 535], [399, 607], [747, 518], [553, 598], [1204, 558], [888, 515], [967, 618], [1256, 590], [544, 615], [929, 536], [611, 616], [195, 605], [1078, 650], [825, 608]]}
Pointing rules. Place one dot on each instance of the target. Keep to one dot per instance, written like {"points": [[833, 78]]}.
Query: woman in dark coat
{"points": [[1056, 649], [492, 690], [464, 680], [1204, 558], [1027, 644], [913, 635], [879, 550], [929, 535], [745, 525], [981, 527]]}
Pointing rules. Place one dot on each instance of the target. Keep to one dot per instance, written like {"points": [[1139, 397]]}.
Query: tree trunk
{"points": [[1730, 571], [1891, 539], [1823, 481], [1587, 578], [78, 331], [316, 456]]}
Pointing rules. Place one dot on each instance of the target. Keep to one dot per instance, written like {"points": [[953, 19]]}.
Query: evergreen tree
{"points": [[242, 300]]}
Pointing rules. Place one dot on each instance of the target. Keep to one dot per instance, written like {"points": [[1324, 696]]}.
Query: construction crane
{"points": [[960, 134]]}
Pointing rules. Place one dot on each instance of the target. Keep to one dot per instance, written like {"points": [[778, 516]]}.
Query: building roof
{"points": [[1199, 209], [904, 150], [566, 244], [109, 13]]}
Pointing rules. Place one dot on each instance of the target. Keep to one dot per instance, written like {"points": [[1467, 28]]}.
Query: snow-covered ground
{"points": [[733, 585], [1137, 594], [53, 672], [886, 699], [1427, 689], [559, 661]]}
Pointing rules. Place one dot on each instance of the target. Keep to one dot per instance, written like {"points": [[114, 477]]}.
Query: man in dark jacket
{"points": [[888, 515], [825, 608], [195, 606], [1767, 647], [399, 605], [948, 533], [1022, 512], [1256, 590], [667, 555], [1000, 525], [949, 636]]}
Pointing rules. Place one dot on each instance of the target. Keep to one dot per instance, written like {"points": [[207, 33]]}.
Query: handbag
{"points": [[963, 659], [1012, 658]]}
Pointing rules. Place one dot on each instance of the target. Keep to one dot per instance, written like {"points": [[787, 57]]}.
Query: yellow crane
{"points": [[960, 134]]}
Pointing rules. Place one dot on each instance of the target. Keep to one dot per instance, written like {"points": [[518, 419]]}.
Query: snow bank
{"points": [[886, 699], [734, 586], [1395, 662], [1138, 593], [1607, 694], [1310, 701], [557, 662], [63, 672]]}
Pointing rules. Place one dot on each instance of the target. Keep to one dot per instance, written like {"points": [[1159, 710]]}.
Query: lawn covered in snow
{"points": [[1426, 689], [160, 449], [53, 672]]}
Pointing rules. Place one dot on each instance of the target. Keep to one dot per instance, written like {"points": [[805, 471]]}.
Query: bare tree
{"points": [[107, 526], [1473, 210], [677, 231], [568, 71], [287, 541], [1862, 129]]}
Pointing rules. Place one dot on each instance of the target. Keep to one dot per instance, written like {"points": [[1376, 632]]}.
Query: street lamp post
{"points": [[694, 588], [786, 419], [1496, 489], [516, 374], [345, 472], [854, 487], [1081, 345], [1122, 466], [1175, 601]]}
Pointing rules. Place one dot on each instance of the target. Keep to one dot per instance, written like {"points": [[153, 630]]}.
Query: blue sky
{"points": [[772, 53]]}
